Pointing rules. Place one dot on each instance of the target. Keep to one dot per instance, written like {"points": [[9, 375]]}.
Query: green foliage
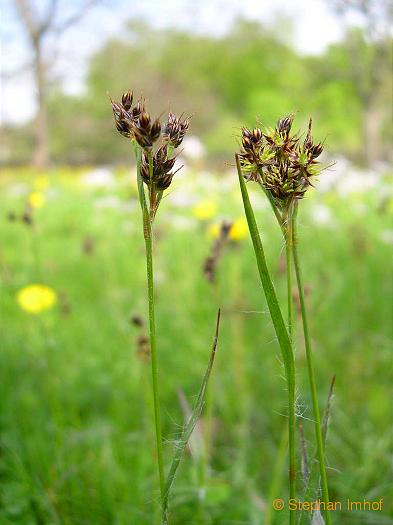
{"points": [[75, 405], [245, 74]]}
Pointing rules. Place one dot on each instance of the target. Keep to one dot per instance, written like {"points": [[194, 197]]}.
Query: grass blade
{"points": [[190, 425], [271, 297], [328, 409], [304, 457]]}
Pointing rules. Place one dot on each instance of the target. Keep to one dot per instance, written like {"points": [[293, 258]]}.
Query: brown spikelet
{"points": [[156, 141], [277, 160], [211, 262]]}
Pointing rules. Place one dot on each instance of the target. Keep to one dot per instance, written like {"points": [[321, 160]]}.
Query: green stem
{"points": [[153, 350], [148, 236], [280, 329], [288, 253], [292, 442], [310, 368]]}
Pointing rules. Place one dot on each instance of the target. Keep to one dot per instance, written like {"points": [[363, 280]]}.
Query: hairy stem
{"points": [[288, 253], [280, 329], [292, 454], [310, 369]]}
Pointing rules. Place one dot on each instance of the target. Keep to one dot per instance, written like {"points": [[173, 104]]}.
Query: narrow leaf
{"points": [[304, 457], [190, 425], [270, 294], [326, 415]]}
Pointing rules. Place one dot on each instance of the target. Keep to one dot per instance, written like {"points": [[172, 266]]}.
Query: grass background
{"points": [[75, 404]]}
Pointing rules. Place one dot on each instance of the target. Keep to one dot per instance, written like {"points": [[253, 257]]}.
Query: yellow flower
{"points": [[214, 230], [239, 229], [36, 298], [204, 210], [36, 199], [41, 183]]}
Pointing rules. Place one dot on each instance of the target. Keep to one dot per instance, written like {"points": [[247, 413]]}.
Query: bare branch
{"points": [[28, 18], [74, 18], [47, 23], [37, 29]]}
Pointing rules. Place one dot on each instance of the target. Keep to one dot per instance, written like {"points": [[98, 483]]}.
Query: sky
{"points": [[314, 28]]}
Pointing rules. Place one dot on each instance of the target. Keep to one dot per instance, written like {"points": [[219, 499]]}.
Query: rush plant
{"points": [[155, 148], [283, 164]]}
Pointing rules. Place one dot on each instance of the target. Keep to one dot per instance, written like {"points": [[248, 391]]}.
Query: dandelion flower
{"points": [[204, 210], [36, 199], [41, 183], [36, 298], [214, 230], [239, 229]]}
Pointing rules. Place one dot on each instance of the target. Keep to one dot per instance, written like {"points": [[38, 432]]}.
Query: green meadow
{"points": [[76, 415]]}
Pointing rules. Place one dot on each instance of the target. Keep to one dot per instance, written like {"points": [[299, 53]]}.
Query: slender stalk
{"points": [[280, 329], [190, 425], [289, 287], [310, 368], [153, 349], [288, 253], [148, 236]]}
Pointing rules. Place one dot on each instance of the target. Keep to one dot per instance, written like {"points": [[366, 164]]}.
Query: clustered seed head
{"points": [[176, 129], [135, 123], [280, 161], [162, 168]]}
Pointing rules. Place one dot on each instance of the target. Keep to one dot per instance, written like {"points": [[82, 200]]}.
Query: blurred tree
{"points": [[369, 61], [226, 82], [38, 24]]}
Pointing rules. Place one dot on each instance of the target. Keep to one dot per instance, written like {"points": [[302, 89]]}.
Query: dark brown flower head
{"points": [[255, 153], [122, 120], [138, 109], [144, 132], [256, 135], [251, 138], [279, 162], [247, 143], [126, 100], [175, 130], [156, 141], [144, 121], [162, 175], [155, 130], [132, 122], [284, 124], [313, 150]]}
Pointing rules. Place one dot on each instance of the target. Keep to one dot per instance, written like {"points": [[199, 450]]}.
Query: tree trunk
{"points": [[41, 134], [371, 130]]}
